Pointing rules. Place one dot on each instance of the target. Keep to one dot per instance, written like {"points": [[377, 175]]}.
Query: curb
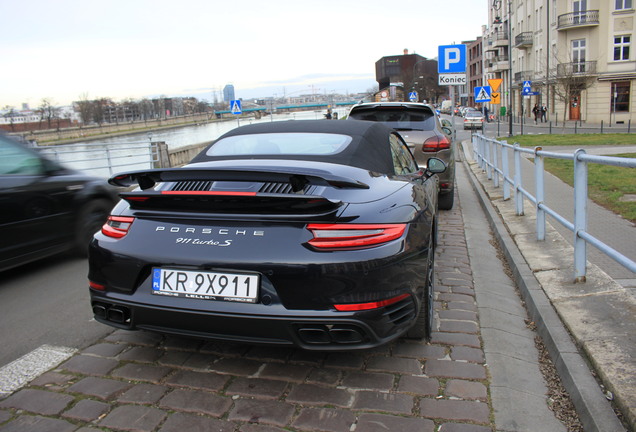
{"points": [[595, 411]]}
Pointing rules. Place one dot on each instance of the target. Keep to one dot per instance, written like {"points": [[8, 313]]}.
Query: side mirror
{"points": [[435, 166], [447, 130]]}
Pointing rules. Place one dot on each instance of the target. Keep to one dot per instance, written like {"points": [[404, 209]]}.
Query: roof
{"points": [[369, 148], [392, 105]]}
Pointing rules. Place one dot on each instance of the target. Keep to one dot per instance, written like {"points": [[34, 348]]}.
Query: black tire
{"points": [[423, 326], [446, 200], [90, 219]]}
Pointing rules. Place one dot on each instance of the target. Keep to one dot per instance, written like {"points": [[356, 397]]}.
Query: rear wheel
{"points": [[446, 200], [423, 326], [90, 219]]}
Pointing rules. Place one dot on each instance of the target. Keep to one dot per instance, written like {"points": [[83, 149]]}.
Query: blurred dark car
{"points": [[46, 208], [318, 234], [421, 129]]}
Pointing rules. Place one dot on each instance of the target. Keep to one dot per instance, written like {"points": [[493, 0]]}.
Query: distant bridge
{"points": [[292, 107]]}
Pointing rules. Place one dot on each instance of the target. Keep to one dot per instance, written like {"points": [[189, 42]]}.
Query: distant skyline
{"points": [[71, 49]]}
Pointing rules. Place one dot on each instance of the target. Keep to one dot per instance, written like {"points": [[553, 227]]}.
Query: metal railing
{"points": [[581, 18], [524, 39], [104, 160], [576, 68], [493, 157]]}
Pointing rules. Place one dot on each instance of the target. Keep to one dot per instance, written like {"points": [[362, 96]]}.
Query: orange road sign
{"points": [[495, 98], [494, 84]]}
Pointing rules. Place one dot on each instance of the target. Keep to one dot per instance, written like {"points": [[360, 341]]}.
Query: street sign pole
{"points": [[451, 69]]}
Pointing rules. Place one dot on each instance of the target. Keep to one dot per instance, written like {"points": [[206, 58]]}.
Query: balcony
{"points": [[522, 76], [576, 69], [578, 19], [524, 39], [497, 63]]}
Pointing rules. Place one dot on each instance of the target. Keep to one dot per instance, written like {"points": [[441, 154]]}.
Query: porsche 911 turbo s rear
{"points": [[313, 254]]}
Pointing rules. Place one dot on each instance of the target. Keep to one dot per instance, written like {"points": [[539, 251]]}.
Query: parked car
{"points": [[473, 119], [46, 208], [318, 234], [426, 137]]}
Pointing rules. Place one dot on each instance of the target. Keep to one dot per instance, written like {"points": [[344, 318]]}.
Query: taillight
{"points": [[353, 236], [117, 226], [436, 143]]}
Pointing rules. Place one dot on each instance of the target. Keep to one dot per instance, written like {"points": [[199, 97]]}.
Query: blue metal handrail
{"points": [[489, 152]]}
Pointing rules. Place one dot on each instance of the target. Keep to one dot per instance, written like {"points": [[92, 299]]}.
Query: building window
{"points": [[620, 96], [623, 4], [578, 55], [621, 47]]}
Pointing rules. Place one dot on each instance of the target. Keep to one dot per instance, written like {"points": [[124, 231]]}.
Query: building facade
{"points": [[574, 56], [475, 71], [408, 72], [228, 93]]}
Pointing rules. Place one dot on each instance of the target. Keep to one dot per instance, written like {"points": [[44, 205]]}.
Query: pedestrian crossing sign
{"points": [[482, 94], [527, 88], [235, 107]]}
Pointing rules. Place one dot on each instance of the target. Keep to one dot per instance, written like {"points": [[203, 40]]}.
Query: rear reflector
{"points": [[117, 226], [372, 305], [96, 286], [353, 236]]}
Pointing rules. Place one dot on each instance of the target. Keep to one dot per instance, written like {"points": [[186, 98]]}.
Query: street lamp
{"points": [[496, 4]]}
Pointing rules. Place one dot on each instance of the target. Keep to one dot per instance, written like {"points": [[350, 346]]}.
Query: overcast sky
{"points": [[64, 50]]}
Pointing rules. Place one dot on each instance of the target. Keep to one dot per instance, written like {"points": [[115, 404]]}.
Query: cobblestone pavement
{"points": [[134, 381]]}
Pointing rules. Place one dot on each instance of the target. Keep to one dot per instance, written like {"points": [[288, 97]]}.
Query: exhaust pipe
{"points": [[99, 310], [117, 315]]}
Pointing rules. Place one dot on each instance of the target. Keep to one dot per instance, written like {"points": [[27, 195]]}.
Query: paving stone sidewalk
{"points": [[134, 381]]}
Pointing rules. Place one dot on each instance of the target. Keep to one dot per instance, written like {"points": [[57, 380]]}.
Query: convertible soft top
{"points": [[369, 147]]}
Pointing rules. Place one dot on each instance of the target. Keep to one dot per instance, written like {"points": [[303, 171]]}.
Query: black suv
{"points": [[420, 127], [46, 208]]}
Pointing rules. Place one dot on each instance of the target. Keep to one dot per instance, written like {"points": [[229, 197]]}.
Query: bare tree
{"points": [[10, 114], [48, 111], [569, 79], [85, 108]]}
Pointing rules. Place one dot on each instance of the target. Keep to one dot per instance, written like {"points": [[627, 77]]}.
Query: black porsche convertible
{"points": [[318, 234]]}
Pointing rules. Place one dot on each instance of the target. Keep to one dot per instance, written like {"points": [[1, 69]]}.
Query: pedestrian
{"points": [[536, 113], [544, 112]]}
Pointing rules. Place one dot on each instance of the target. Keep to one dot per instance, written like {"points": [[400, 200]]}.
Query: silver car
{"points": [[420, 127], [473, 119]]}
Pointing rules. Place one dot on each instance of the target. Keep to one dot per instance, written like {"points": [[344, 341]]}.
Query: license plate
{"points": [[239, 287]]}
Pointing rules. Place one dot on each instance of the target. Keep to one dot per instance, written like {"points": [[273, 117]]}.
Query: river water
{"points": [[187, 135], [107, 156]]}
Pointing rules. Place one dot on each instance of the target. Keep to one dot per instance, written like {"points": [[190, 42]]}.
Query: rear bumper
{"points": [[318, 330]]}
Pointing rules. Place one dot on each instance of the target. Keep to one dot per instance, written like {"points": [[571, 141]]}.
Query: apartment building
{"points": [[574, 56]]}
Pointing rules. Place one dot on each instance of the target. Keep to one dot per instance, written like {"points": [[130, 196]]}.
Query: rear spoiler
{"points": [[148, 178]]}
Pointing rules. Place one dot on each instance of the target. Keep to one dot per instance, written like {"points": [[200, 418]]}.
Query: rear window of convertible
{"points": [[280, 143], [399, 119]]}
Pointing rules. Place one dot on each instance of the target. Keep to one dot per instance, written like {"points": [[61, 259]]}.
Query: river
{"points": [[107, 156]]}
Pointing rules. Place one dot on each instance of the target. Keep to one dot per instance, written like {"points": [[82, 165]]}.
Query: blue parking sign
{"points": [[451, 59]]}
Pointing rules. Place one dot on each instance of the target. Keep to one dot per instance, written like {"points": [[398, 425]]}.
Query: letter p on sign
{"points": [[451, 55], [451, 59]]}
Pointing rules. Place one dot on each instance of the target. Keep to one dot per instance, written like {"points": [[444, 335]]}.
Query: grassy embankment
{"points": [[607, 185]]}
